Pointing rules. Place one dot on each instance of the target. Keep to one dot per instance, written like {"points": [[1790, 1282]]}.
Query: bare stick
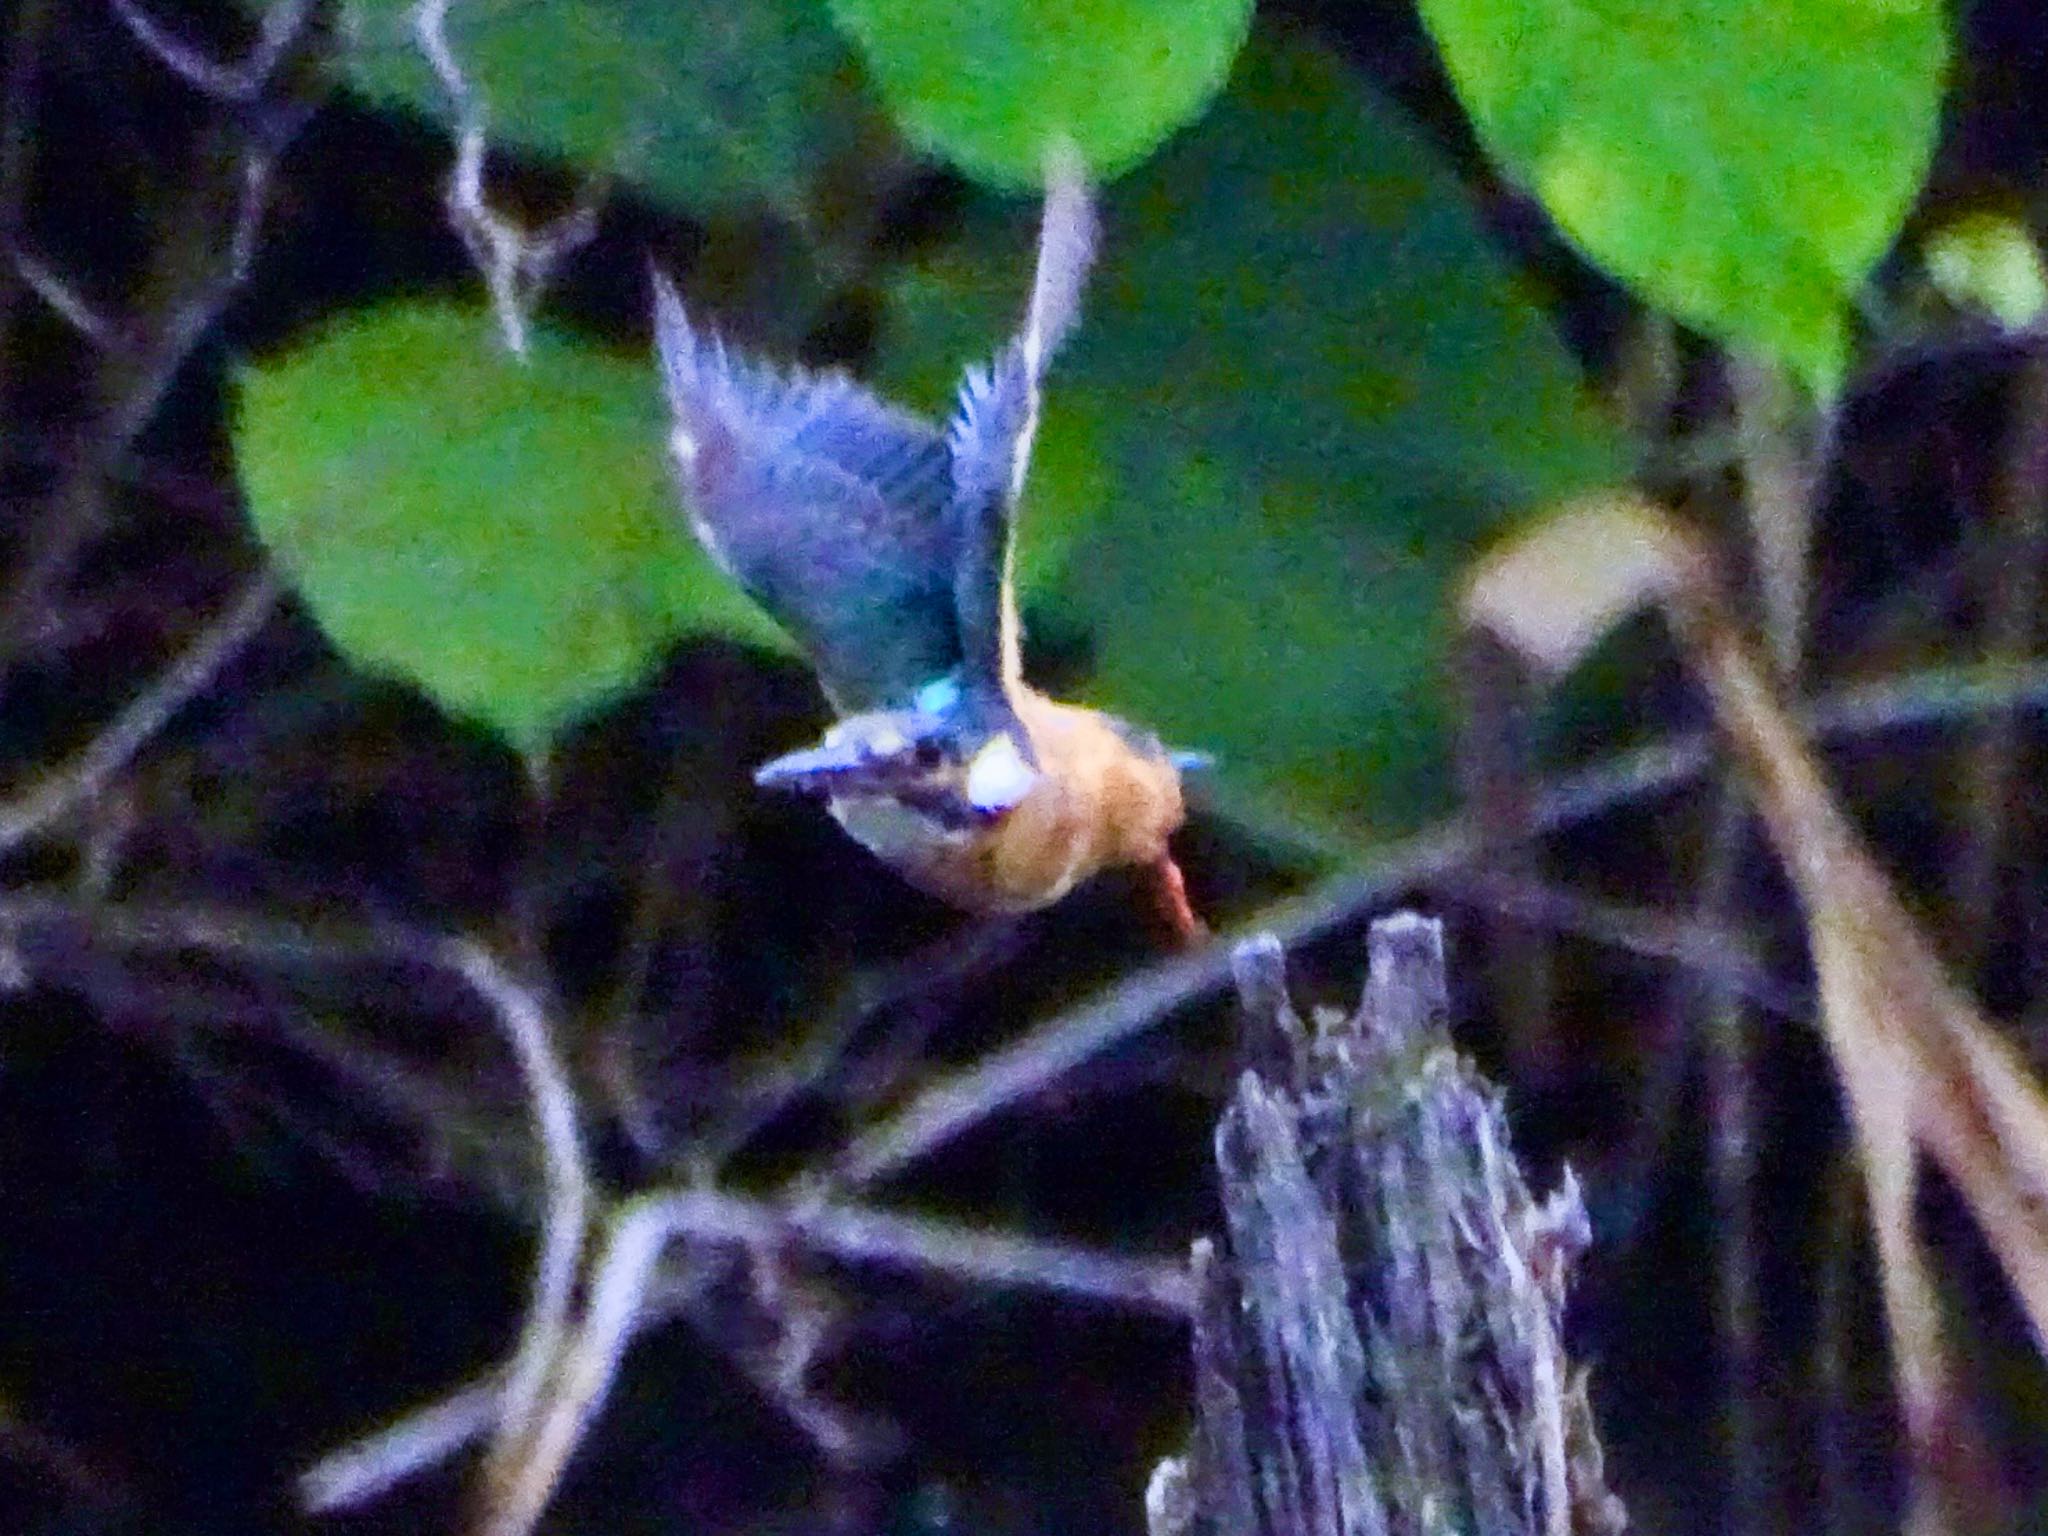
{"points": [[68, 303], [638, 1233], [589, 1362], [565, 1180], [1702, 951], [276, 32], [63, 789], [195, 272], [2018, 537], [515, 264], [365, 1468], [1732, 1124]]}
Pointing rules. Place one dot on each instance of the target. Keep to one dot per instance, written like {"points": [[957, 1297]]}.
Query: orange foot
{"points": [[1170, 893]]}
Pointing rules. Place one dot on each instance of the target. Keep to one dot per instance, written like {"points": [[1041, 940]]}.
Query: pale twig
{"points": [[1777, 498], [643, 1228], [807, 1063], [622, 1305], [521, 1020], [1144, 999], [197, 285], [42, 917], [1779, 470], [515, 263], [65, 301], [565, 1183], [87, 774], [242, 82], [363, 1469], [589, 1362], [1704, 951]]}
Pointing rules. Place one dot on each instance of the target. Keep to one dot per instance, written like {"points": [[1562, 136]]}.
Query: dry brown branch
{"points": [[1921, 1068]]}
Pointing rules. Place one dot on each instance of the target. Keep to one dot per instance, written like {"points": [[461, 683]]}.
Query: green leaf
{"points": [[1305, 387], [714, 106], [502, 536], [1988, 261], [1741, 163], [991, 83]]}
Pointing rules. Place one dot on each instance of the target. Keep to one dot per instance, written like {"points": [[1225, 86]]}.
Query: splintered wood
{"points": [[1377, 1341]]}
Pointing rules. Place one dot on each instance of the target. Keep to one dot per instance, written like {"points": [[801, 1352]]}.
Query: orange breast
{"points": [[1100, 803]]}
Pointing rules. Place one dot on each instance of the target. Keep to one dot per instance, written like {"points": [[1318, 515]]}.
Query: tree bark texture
{"points": [[1378, 1343]]}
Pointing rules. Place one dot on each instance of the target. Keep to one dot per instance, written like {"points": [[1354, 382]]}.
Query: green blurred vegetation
{"points": [[1309, 382], [988, 85], [501, 535], [1742, 164]]}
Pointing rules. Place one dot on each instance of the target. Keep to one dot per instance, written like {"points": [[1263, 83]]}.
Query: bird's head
{"points": [[932, 759]]}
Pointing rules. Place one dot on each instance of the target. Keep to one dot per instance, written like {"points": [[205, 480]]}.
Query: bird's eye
{"points": [[928, 754]]}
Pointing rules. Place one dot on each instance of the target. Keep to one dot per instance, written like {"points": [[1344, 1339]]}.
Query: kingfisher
{"points": [[885, 545]]}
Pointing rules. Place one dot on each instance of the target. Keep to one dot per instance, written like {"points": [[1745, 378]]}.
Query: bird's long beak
{"points": [[845, 765], [816, 770]]}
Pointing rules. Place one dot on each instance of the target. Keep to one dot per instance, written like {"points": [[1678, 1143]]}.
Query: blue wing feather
{"points": [[989, 438], [882, 545], [828, 505]]}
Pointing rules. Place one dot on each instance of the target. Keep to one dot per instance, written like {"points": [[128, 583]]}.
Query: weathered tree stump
{"points": [[1377, 1340]]}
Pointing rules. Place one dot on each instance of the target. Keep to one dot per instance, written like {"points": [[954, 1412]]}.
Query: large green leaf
{"points": [[713, 104], [1304, 388], [502, 536], [1741, 163], [990, 83]]}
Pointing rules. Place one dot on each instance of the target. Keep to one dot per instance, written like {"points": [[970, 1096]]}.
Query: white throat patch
{"points": [[999, 778]]}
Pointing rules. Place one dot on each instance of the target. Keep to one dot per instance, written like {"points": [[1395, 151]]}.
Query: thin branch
{"points": [[626, 1300], [44, 917], [589, 1363], [1778, 478], [66, 302], [373, 1465], [197, 285], [565, 1181], [1144, 999], [62, 790], [516, 264], [1732, 1127], [243, 82], [945, 965], [1704, 950]]}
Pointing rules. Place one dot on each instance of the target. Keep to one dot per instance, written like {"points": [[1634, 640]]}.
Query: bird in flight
{"points": [[884, 544]]}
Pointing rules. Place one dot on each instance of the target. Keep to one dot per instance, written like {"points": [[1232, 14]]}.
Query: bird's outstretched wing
{"points": [[989, 437], [830, 506]]}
